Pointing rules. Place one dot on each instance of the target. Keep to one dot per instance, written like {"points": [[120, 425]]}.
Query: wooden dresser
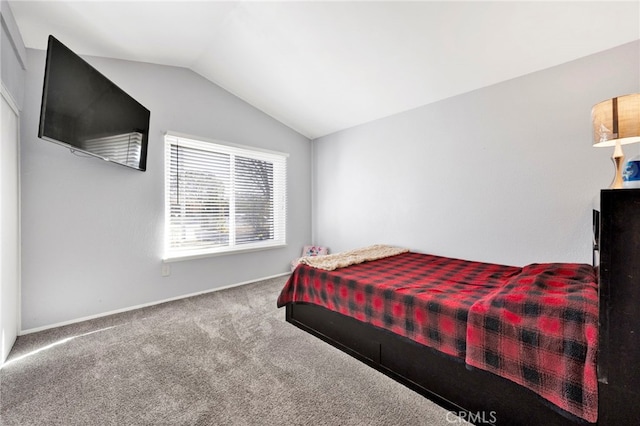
{"points": [[619, 272]]}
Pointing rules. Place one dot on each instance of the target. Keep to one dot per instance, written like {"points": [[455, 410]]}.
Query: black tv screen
{"points": [[84, 111]]}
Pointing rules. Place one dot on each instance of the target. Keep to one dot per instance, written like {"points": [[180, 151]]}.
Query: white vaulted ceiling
{"points": [[320, 67]]}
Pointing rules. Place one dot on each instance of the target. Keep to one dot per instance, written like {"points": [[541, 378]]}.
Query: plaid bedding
{"points": [[425, 298], [541, 330], [479, 312]]}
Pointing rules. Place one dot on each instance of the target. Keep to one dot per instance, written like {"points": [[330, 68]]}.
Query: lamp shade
{"points": [[616, 120]]}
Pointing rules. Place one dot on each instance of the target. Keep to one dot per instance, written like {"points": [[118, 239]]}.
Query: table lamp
{"points": [[616, 122]]}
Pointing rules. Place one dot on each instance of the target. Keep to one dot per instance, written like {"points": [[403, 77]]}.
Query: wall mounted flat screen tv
{"points": [[84, 111]]}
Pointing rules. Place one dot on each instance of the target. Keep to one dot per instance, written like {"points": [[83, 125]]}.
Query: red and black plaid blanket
{"points": [[425, 298], [541, 331], [442, 302]]}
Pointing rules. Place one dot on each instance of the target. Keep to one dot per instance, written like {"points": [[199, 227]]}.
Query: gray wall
{"points": [[92, 234], [14, 56], [504, 174]]}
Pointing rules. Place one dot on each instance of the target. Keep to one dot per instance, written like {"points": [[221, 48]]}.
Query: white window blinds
{"points": [[222, 198]]}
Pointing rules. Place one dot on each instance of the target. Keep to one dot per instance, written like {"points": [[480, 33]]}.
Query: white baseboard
{"points": [[144, 305]]}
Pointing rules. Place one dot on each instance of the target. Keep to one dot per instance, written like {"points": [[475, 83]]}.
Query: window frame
{"points": [[280, 197]]}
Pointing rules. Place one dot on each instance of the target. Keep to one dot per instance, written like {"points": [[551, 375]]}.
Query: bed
{"points": [[495, 344]]}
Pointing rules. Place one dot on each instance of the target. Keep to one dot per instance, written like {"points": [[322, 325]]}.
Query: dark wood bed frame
{"points": [[484, 398]]}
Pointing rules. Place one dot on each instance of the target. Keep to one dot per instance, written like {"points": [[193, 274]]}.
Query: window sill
{"points": [[202, 255]]}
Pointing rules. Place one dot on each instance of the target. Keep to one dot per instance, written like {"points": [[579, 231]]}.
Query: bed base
{"points": [[476, 395]]}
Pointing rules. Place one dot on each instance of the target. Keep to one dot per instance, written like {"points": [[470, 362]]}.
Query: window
{"points": [[222, 198]]}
